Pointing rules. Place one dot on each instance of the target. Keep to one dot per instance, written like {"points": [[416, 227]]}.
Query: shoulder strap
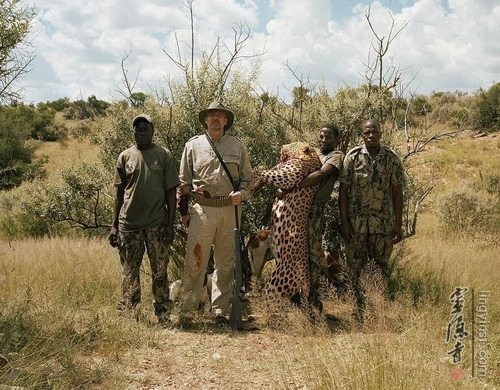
{"points": [[234, 183]]}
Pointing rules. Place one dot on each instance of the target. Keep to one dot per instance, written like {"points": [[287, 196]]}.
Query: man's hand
{"points": [[236, 197], [183, 204], [396, 235], [185, 219], [346, 232], [113, 237], [280, 193], [168, 234]]}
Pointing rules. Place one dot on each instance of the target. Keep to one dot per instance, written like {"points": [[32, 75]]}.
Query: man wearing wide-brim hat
{"points": [[211, 219], [216, 106]]}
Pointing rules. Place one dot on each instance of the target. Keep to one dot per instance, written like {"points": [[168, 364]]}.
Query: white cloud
{"points": [[447, 45]]}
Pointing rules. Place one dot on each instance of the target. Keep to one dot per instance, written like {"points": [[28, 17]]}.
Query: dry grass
{"points": [[59, 328], [66, 154], [459, 161]]}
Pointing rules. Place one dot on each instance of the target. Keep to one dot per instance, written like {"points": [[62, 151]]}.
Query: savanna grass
{"points": [[58, 306], [60, 330]]}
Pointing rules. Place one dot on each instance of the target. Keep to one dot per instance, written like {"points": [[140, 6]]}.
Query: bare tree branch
{"points": [[381, 48], [15, 50]]}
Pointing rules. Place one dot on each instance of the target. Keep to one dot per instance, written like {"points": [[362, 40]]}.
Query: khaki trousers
{"points": [[210, 225]]}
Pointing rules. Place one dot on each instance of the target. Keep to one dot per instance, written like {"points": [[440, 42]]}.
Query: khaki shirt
{"points": [[370, 180], [201, 170], [324, 193]]}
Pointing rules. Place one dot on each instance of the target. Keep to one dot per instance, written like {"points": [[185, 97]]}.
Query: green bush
{"points": [[80, 201], [89, 109], [488, 108], [19, 225], [81, 131], [15, 159], [57, 105], [52, 133]]}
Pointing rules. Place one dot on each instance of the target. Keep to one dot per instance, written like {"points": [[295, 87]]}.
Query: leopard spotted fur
{"points": [[289, 224]]}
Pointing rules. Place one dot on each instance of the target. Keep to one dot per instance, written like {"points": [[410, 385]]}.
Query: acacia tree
{"points": [[79, 201], [19, 123], [15, 49]]}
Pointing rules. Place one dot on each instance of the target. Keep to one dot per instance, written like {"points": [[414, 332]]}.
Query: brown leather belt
{"points": [[221, 201]]}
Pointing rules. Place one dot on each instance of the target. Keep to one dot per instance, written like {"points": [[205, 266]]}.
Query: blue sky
{"points": [[447, 45]]}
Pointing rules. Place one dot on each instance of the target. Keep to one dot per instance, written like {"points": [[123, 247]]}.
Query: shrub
{"points": [[490, 183], [81, 131], [81, 201], [488, 108], [19, 225], [51, 133], [464, 211], [16, 163]]}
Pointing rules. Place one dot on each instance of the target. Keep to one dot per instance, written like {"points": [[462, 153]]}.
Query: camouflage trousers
{"points": [[132, 246], [362, 249], [317, 261]]}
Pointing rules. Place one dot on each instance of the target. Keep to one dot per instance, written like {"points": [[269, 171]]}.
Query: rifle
{"points": [[235, 320]]}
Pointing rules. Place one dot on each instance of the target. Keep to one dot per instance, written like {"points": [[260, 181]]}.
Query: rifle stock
{"points": [[235, 320]]}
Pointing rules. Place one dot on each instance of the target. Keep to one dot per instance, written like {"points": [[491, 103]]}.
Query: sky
{"points": [[442, 45]]}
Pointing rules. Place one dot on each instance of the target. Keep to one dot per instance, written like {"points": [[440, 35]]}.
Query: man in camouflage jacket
{"points": [[371, 206]]}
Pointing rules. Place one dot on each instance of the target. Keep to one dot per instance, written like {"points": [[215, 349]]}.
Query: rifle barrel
{"points": [[235, 320]]}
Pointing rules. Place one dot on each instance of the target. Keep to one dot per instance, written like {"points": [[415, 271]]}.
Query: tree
{"points": [[14, 159], [81, 109], [80, 201], [15, 53], [488, 108], [16, 155], [57, 105]]}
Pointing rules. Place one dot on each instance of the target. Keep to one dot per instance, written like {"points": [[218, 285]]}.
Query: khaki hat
{"points": [[216, 105], [145, 117]]}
